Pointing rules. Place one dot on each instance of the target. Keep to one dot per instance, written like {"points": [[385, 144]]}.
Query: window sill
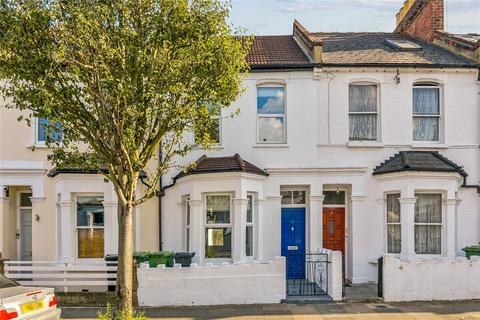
{"points": [[39, 146], [271, 145], [428, 145], [213, 148], [365, 144]]}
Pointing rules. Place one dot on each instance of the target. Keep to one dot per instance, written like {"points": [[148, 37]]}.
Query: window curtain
{"points": [[363, 112], [394, 243], [426, 103], [428, 214]]}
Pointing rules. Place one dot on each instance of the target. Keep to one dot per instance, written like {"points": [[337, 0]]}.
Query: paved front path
{"points": [[468, 310]]}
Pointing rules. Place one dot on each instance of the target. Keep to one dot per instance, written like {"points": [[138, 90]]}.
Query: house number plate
{"points": [[292, 247]]}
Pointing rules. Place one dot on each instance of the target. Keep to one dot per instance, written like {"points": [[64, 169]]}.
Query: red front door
{"points": [[334, 229]]}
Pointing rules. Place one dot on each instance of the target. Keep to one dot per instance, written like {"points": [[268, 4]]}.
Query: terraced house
{"points": [[365, 144]]}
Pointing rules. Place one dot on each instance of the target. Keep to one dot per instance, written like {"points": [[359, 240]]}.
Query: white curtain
{"points": [[428, 214], [426, 109], [363, 112], [393, 224]]}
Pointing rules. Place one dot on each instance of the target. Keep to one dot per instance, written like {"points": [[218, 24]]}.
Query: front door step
{"points": [[308, 299]]}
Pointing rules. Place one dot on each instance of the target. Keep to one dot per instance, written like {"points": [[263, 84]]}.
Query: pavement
{"points": [[465, 310]]}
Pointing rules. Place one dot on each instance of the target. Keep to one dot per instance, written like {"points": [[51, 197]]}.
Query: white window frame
{"points": [[376, 113], [430, 85], [392, 223], [442, 227], [218, 225], [37, 141], [272, 115], [187, 222], [80, 227], [251, 224]]}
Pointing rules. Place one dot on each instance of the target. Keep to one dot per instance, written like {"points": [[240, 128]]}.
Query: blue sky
{"points": [[276, 16]]}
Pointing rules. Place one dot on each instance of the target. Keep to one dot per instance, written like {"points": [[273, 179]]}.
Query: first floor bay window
{"points": [[394, 243], [90, 227], [428, 223], [218, 227]]}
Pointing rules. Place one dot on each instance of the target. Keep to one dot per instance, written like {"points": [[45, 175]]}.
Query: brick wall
{"points": [[423, 19]]}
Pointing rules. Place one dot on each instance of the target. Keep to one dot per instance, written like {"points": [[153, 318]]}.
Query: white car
{"points": [[21, 303]]}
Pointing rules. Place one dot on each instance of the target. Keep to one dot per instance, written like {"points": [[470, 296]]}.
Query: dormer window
{"points": [[403, 45]]}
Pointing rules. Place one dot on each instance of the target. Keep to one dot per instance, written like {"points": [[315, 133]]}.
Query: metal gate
{"points": [[307, 274]]}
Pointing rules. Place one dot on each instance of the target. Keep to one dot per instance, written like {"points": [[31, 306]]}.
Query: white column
{"points": [[316, 223], [450, 216], [239, 226], [407, 225], [111, 226], [354, 251], [197, 230], [259, 230], [68, 232], [4, 201]]}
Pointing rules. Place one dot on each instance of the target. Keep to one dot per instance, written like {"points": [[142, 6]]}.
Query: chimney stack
{"points": [[313, 46], [421, 18]]}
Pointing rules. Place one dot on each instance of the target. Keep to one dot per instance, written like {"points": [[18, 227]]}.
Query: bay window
{"points": [[187, 224], [271, 115], [394, 241], [90, 227], [426, 112], [363, 112], [249, 229], [218, 229], [428, 223]]}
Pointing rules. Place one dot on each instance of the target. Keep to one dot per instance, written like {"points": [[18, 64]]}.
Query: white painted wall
{"points": [[317, 153], [431, 279], [212, 284]]}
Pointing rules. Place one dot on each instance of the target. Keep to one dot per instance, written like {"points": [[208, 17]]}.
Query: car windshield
{"points": [[7, 283]]}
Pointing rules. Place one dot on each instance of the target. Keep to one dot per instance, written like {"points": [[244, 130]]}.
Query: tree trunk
{"points": [[124, 289]]}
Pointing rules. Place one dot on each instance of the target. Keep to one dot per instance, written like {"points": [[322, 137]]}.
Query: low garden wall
{"points": [[431, 279], [211, 284]]}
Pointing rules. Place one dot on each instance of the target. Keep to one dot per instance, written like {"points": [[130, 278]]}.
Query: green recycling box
{"points": [[472, 251]]}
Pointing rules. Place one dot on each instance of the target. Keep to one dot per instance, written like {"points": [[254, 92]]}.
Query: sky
{"points": [[276, 16]]}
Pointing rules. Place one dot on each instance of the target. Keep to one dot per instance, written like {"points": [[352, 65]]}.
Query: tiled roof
{"points": [[222, 164], [418, 161], [276, 50], [371, 48], [349, 49]]}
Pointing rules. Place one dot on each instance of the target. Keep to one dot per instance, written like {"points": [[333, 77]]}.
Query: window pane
{"points": [[43, 130], [25, 200], [426, 101], [425, 129], [270, 100], [428, 239], [188, 211], [90, 243], [299, 197], [188, 239], [363, 98], [213, 133], [394, 238], [250, 209], [393, 208], [90, 211], [286, 197], [271, 129], [218, 209], [249, 241], [363, 127], [218, 242], [428, 208], [334, 197]]}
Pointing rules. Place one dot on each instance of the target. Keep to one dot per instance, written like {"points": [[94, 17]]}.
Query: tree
{"points": [[122, 79]]}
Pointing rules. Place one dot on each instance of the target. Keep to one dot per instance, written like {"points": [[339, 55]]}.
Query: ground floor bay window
{"points": [[218, 227], [90, 227], [428, 223]]}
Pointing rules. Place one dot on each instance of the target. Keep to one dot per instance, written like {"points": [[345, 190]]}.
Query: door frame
{"points": [[306, 189], [19, 224], [348, 234]]}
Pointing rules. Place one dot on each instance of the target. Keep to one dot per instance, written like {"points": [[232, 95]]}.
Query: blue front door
{"points": [[293, 241]]}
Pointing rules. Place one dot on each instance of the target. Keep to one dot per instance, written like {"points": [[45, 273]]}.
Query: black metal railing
{"points": [[307, 274]]}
